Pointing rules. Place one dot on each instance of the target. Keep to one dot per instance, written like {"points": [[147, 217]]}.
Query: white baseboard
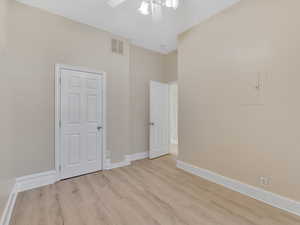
{"points": [[267, 197], [26, 183], [109, 165], [36, 180], [127, 161], [138, 156], [8, 210], [158, 153], [174, 142], [23, 184]]}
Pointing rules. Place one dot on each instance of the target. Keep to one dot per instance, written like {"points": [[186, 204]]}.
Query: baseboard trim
{"points": [[35, 180], [267, 197], [127, 160], [8, 210], [138, 156], [26, 183], [109, 165], [23, 184], [174, 142], [156, 154]]}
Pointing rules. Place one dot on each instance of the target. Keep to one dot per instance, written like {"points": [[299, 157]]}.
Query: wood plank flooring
{"points": [[145, 193]]}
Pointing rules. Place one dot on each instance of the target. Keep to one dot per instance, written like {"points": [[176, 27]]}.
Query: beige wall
{"points": [[145, 66], [6, 169], [36, 40], [31, 42], [170, 66], [225, 124]]}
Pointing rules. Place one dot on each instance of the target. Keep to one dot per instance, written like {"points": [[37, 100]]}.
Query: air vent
{"points": [[117, 46]]}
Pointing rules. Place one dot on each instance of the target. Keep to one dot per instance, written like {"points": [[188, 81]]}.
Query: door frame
{"points": [[172, 83], [169, 143], [58, 68]]}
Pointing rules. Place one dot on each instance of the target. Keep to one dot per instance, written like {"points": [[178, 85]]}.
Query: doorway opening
{"points": [[173, 111], [163, 119]]}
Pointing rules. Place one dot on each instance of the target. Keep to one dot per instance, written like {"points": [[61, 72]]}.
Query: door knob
{"points": [[151, 124], [99, 128]]}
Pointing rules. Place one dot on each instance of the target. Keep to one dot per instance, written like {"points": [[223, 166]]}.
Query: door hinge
{"points": [[59, 168], [59, 123], [60, 80]]}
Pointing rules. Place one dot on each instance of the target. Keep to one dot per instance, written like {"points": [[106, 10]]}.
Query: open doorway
{"points": [[163, 135], [173, 111]]}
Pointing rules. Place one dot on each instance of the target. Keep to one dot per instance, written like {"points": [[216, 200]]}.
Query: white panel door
{"points": [[159, 119], [81, 123]]}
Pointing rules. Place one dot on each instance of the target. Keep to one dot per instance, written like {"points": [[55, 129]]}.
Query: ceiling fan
{"points": [[150, 7]]}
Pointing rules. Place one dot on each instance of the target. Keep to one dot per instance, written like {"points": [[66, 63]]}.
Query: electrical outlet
{"points": [[265, 181]]}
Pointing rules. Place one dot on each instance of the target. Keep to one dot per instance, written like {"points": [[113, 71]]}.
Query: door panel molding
{"points": [[58, 99]]}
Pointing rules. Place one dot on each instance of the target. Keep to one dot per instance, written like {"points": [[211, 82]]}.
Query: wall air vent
{"points": [[117, 46]]}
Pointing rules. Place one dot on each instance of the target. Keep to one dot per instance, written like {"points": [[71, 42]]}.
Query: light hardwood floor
{"points": [[145, 193]]}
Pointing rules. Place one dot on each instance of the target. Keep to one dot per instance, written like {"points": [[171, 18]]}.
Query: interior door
{"points": [[159, 119], [81, 123]]}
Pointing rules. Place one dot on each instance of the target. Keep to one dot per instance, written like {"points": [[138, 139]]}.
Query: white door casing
{"points": [[81, 113], [173, 91], [159, 119]]}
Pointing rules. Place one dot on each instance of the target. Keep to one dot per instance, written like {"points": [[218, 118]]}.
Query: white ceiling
{"points": [[126, 22]]}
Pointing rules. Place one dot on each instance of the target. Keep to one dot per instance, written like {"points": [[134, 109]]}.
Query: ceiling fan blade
{"points": [[115, 3]]}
